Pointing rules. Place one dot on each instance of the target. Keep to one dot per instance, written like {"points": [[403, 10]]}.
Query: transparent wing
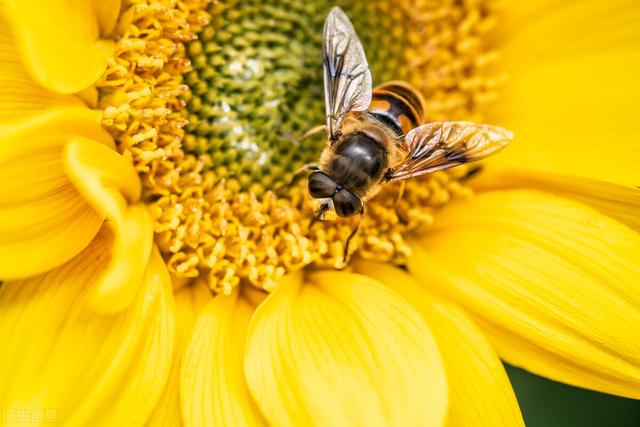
{"points": [[441, 145], [347, 77]]}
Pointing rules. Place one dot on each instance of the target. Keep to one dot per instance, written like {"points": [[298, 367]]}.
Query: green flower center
{"points": [[252, 85], [257, 83]]}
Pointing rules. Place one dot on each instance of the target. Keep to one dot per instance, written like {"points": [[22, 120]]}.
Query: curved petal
{"points": [[617, 201], [109, 183], [342, 349], [212, 385], [60, 41], [479, 390], [189, 302], [572, 92], [107, 13], [20, 95], [44, 221], [554, 284], [88, 368]]}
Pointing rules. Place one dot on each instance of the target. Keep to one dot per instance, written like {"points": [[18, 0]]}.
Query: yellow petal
{"points": [[479, 389], [20, 95], [189, 302], [107, 13], [617, 201], [212, 384], [88, 368], [60, 41], [343, 350], [553, 283], [572, 93], [109, 183], [44, 221]]}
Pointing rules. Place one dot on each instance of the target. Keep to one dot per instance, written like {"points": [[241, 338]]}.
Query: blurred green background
{"points": [[545, 403]]}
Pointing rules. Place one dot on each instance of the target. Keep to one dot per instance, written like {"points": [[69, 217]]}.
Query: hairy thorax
{"points": [[359, 159]]}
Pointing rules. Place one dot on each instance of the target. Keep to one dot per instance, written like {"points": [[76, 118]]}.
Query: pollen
{"points": [[208, 100]]}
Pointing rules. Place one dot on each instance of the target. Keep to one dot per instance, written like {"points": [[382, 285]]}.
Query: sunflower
{"points": [[153, 276]]}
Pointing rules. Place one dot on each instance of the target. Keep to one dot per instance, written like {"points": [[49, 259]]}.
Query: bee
{"points": [[378, 136]]}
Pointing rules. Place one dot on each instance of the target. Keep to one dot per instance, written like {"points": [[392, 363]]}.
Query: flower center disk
{"points": [[257, 85], [251, 85]]}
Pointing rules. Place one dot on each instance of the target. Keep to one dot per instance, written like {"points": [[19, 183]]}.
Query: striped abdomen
{"points": [[397, 105]]}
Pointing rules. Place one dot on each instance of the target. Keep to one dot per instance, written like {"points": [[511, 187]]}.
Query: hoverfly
{"points": [[379, 136]]}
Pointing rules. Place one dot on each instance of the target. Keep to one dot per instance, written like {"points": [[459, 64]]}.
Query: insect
{"points": [[378, 136]]}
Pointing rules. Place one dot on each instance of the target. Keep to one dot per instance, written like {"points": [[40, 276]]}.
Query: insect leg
{"points": [[353, 233], [309, 167], [298, 139], [403, 185], [313, 131]]}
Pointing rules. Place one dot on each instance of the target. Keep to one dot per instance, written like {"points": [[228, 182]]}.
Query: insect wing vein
{"points": [[347, 77]]}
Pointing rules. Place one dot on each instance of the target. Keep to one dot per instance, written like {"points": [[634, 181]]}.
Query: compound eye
{"points": [[347, 203], [321, 185]]}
